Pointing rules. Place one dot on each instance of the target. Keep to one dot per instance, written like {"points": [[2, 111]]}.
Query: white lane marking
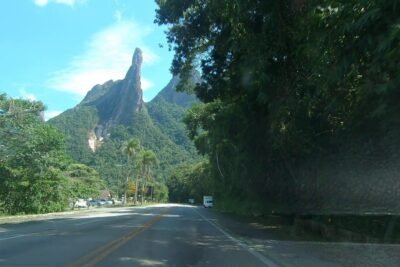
{"points": [[11, 237], [87, 222], [256, 254], [103, 215]]}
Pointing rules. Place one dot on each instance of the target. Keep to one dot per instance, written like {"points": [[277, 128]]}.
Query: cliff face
{"points": [[117, 101]]}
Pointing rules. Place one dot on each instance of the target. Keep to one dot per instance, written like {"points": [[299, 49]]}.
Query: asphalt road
{"points": [[166, 235], [173, 235]]}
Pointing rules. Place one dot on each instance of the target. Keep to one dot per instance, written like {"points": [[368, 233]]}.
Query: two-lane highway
{"points": [[173, 235], [164, 235]]}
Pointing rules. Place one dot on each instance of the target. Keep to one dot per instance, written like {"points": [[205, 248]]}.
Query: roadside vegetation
{"points": [[189, 181], [282, 82], [36, 174]]}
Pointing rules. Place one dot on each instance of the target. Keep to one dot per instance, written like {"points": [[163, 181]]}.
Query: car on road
{"points": [[207, 201], [81, 203], [92, 203], [102, 202]]}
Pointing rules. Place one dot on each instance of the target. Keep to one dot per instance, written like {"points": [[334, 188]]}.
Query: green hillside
{"points": [[158, 127], [113, 113], [75, 124]]}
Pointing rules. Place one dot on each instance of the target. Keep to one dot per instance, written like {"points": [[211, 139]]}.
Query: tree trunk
{"points": [[126, 190], [142, 196], [136, 189], [126, 184], [144, 182]]}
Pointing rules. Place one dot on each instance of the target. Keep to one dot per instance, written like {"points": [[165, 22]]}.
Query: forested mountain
{"points": [[112, 113], [171, 95]]}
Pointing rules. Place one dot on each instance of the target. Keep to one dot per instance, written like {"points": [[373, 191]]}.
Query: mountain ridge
{"points": [[115, 111]]}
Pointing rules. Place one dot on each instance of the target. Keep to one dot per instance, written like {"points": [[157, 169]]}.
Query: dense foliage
{"points": [[283, 79], [36, 175], [128, 168], [168, 118], [190, 181], [83, 183], [111, 161]]}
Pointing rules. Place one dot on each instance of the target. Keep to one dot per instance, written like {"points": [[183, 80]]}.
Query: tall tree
{"points": [[32, 160], [132, 148], [147, 159]]}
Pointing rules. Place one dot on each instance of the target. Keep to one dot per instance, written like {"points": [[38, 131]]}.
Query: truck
{"points": [[207, 201]]}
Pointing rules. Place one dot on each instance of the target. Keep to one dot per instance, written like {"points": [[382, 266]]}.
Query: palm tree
{"points": [[131, 149], [148, 158]]}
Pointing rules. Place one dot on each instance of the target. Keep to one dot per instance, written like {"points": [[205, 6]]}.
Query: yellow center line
{"points": [[99, 254]]}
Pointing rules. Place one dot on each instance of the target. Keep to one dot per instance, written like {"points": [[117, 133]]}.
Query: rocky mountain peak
{"points": [[135, 69], [137, 58], [131, 87], [118, 101]]}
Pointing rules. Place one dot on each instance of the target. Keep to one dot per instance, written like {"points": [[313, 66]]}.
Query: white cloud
{"points": [[50, 114], [71, 3], [146, 84], [40, 2], [107, 55], [66, 2], [26, 95]]}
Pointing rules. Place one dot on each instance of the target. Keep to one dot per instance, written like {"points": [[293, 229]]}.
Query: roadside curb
{"points": [[39, 217], [56, 215]]}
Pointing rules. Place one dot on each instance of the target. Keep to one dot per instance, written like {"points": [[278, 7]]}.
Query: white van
{"points": [[207, 201]]}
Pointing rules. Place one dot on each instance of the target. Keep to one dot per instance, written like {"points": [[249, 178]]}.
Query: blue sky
{"points": [[56, 50]]}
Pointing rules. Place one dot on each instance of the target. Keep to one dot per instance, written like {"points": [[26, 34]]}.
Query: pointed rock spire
{"points": [[137, 58], [135, 69], [118, 102]]}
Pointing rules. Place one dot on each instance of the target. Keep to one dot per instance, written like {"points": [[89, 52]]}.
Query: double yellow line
{"points": [[99, 254]]}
